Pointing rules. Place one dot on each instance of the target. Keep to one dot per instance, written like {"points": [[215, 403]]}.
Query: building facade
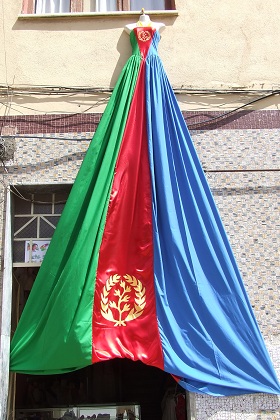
{"points": [[57, 71]]}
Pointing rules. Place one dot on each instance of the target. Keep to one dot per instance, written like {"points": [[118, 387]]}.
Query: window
{"points": [[133, 5], [36, 214], [51, 6], [102, 6]]}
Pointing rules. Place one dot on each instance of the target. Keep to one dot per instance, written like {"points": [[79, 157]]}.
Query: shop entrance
{"points": [[119, 382]]}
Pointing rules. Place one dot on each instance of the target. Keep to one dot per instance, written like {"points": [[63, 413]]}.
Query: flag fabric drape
{"points": [[140, 266]]}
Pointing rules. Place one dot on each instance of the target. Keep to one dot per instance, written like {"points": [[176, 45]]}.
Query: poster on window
{"points": [[35, 251]]}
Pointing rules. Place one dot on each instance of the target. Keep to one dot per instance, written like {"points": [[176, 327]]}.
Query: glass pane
{"points": [[60, 199], [43, 204], [58, 208], [103, 5], [46, 231], [30, 231], [19, 251], [22, 206], [147, 5], [19, 222], [53, 219], [52, 6]]}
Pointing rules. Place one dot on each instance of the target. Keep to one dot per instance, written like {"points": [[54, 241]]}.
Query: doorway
{"points": [[36, 211], [117, 381]]}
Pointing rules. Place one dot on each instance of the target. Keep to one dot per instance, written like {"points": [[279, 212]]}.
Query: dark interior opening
{"points": [[116, 381]]}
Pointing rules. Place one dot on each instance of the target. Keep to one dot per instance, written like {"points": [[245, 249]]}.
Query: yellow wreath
{"points": [[121, 305]]}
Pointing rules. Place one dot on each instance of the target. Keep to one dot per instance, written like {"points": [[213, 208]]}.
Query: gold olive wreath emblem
{"points": [[120, 305], [144, 36]]}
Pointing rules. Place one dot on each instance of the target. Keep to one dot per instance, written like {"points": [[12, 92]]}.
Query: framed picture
{"points": [[35, 250]]}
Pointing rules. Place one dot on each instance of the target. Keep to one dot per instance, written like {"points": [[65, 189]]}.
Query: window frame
{"points": [[28, 6], [39, 211], [124, 5], [77, 6]]}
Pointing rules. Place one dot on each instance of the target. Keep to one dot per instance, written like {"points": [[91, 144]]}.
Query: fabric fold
{"points": [[140, 265]]}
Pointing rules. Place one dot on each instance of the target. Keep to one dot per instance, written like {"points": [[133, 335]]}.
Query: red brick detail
{"points": [[196, 120], [60, 123], [8, 130], [213, 120]]}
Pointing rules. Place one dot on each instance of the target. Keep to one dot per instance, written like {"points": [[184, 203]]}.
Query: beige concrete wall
{"points": [[208, 45]]}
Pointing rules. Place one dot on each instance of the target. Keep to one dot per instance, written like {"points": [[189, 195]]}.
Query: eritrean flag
{"points": [[140, 266]]}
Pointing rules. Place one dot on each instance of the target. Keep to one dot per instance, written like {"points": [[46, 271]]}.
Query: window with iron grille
{"points": [[36, 213]]}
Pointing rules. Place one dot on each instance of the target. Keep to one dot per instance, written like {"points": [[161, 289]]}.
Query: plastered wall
{"points": [[206, 45]]}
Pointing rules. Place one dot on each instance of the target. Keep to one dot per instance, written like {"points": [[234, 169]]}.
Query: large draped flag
{"points": [[140, 266]]}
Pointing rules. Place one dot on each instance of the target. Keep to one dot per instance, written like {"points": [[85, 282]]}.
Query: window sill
{"points": [[24, 264], [160, 13]]}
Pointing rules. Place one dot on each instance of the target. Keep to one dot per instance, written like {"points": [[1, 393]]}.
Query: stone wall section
{"points": [[248, 203]]}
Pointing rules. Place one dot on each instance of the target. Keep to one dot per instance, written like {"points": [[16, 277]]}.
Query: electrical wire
{"points": [[4, 43], [98, 90], [48, 137], [67, 114], [241, 170], [9, 94], [29, 89], [18, 194], [55, 90], [268, 94], [225, 114], [13, 189]]}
